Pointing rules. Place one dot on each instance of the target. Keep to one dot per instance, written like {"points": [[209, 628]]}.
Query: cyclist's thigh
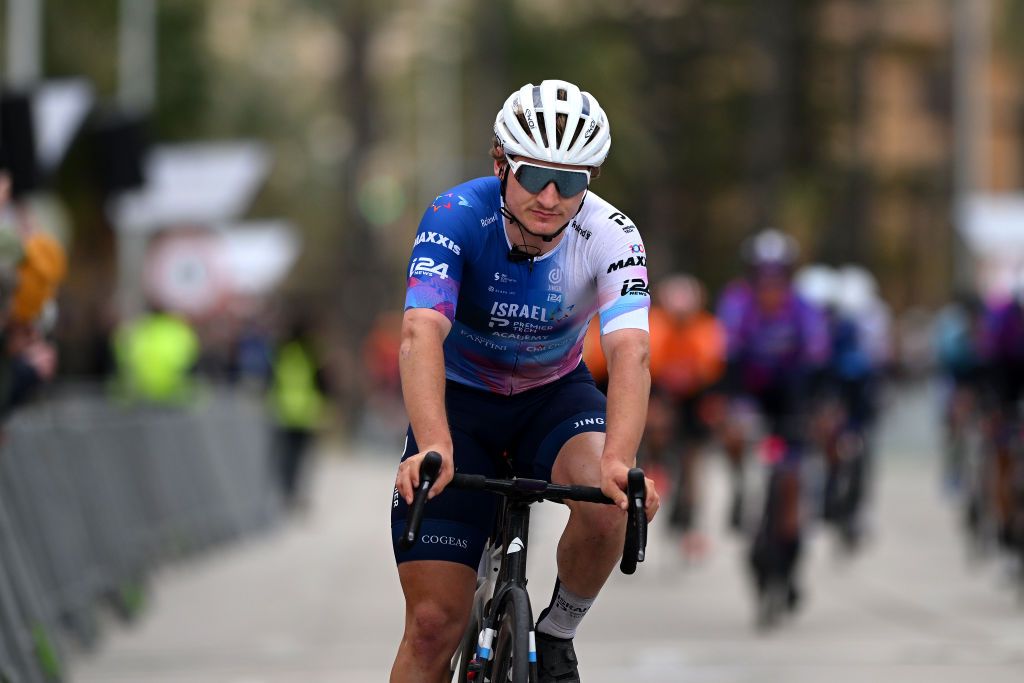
{"points": [[571, 407], [784, 408], [445, 588], [456, 523], [693, 425]]}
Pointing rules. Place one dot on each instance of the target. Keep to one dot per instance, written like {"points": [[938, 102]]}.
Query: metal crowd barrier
{"points": [[94, 496]]}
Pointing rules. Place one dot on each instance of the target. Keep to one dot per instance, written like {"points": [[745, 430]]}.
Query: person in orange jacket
{"points": [[687, 360]]}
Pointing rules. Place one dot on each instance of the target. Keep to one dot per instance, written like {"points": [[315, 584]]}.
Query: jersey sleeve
{"points": [[623, 290], [732, 308], [436, 264]]}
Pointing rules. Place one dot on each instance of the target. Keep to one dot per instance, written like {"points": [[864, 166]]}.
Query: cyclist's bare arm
{"points": [[629, 387], [421, 364]]}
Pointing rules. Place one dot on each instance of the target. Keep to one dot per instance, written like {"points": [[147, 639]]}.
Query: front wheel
{"points": [[515, 657]]}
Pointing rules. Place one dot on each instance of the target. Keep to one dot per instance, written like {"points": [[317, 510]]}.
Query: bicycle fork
{"points": [[503, 568]]}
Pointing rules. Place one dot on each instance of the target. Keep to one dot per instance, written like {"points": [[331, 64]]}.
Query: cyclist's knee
{"points": [[433, 630], [605, 524]]}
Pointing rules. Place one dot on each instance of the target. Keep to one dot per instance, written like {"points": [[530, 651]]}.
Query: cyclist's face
{"points": [[771, 291], [543, 212]]}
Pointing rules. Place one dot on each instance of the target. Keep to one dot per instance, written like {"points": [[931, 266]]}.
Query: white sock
{"points": [[564, 614]]}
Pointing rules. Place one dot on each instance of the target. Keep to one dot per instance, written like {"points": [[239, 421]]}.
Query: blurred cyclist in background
{"points": [[957, 338], [776, 344], [846, 404], [687, 357], [1003, 350]]}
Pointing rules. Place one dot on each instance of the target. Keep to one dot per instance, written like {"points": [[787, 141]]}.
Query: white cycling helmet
{"points": [[526, 125], [858, 291], [770, 247], [818, 284]]}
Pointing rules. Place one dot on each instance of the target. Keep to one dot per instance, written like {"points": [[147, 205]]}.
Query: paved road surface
{"points": [[319, 600]]}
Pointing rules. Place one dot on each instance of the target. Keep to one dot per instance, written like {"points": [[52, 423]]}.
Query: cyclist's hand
{"points": [[408, 479], [614, 475]]}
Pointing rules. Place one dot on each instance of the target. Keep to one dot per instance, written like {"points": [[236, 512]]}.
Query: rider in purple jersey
{"points": [[770, 345], [776, 344], [505, 274], [1002, 349]]}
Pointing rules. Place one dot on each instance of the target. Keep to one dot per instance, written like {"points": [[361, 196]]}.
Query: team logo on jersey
{"points": [[437, 238], [484, 222], [423, 265], [520, 317], [554, 297], [548, 345], [626, 263], [585, 234], [635, 287], [555, 276], [504, 279], [619, 218], [561, 313], [482, 341], [636, 248], [445, 201], [623, 222], [506, 310]]}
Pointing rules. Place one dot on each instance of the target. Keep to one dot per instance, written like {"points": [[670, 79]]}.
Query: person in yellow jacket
{"points": [[156, 354], [297, 401]]}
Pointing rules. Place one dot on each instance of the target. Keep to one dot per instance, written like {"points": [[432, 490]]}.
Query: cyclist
{"points": [[776, 343], [859, 331], [956, 338], [505, 275], [1003, 350]]}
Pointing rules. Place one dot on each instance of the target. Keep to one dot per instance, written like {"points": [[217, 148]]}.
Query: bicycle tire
{"points": [[511, 662]]}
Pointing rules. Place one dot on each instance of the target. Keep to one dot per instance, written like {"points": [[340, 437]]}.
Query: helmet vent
{"points": [[576, 133]]}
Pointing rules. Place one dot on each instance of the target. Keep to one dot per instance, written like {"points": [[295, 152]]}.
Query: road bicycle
{"points": [[846, 463], [499, 643], [771, 545]]}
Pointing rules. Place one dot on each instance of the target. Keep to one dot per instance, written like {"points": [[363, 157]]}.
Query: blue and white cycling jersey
{"points": [[516, 326]]}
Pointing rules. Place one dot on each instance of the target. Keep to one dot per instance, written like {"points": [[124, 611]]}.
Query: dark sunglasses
{"points": [[535, 178]]}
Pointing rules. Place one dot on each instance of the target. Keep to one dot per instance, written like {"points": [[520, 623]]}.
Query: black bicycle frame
{"points": [[516, 524]]}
